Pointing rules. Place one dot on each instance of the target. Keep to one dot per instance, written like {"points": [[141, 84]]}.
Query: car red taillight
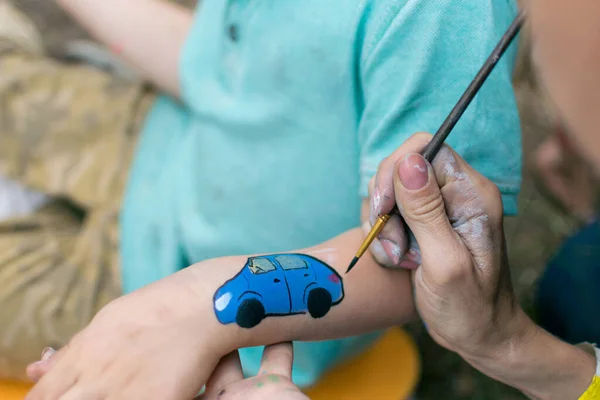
{"points": [[334, 278]]}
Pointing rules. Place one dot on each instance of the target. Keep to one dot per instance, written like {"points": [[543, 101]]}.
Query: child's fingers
{"points": [[229, 370], [36, 370], [277, 359], [58, 380]]}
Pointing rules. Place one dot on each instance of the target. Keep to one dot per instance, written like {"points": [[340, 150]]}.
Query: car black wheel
{"points": [[319, 302], [250, 313]]}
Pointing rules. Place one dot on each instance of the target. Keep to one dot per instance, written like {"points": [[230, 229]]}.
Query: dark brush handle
{"points": [[433, 147]]}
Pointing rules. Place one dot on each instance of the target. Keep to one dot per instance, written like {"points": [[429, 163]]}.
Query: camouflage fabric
{"points": [[67, 131]]}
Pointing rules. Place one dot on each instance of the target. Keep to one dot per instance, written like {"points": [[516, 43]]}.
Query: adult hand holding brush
{"points": [[461, 278]]}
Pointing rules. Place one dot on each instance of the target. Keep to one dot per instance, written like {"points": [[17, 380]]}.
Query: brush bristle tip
{"points": [[352, 264]]}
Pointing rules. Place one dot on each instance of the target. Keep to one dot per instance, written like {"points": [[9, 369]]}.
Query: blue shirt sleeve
{"points": [[417, 58]]}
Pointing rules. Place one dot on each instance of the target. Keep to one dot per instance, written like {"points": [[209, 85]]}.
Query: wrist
{"points": [[515, 332], [202, 281], [196, 286], [537, 363]]}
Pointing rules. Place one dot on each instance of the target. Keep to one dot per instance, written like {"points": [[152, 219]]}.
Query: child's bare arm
{"points": [[148, 34], [300, 289], [173, 332]]}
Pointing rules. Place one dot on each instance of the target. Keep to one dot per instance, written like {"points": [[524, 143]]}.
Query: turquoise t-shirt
{"points": [[287, 109]]}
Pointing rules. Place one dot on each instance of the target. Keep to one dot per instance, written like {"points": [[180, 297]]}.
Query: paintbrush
{"points": [[440, 136]]}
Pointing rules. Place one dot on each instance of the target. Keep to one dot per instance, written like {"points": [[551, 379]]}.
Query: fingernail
{"points": [[414, 254], [408, 264], [47, 353], [392, 250], [413, 172], [412, 258]]}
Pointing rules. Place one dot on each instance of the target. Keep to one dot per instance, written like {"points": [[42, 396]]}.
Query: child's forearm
{"points": [[373, 297], [148, 34]]}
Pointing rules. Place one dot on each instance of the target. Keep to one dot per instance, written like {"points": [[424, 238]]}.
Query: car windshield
{"points": [[261, 266], [291, 262]]}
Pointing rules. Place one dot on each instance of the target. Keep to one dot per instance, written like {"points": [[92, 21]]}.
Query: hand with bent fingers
{"points": [[451, 234], [461, 278], [274, 380], [136, 347]]}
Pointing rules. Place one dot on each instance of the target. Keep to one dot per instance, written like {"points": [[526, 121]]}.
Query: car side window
{"points": [[261, 266], [288, 262]]}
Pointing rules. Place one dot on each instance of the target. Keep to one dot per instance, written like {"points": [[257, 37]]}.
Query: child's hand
{"points": [[273, 381], [150, 344]]}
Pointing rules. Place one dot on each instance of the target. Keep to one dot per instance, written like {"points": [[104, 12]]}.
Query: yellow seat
{"points": [[10, 390], [389, 370]]}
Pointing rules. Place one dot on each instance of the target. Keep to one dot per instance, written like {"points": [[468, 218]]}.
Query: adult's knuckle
{"points": [[387, 163], [449, 277], [490, 188], [422, 137], [457, 268], [463, 262], [427, 209], [493, 200]]}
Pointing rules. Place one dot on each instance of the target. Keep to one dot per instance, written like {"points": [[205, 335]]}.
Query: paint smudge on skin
{"points": [[447, 160], [467, 202], [396, 244], [477, 236], [221, 393], [379, 253], [392, 250], [376, 209], [376, 248], [467, 215], [474, 228], [273, 378], [421, 169], [259, 384]]}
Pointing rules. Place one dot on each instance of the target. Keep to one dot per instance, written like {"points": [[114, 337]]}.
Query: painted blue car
{"points": [[279, 284]]}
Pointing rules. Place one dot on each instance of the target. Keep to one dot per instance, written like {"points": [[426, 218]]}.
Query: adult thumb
{"points": [[420, 201]]}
